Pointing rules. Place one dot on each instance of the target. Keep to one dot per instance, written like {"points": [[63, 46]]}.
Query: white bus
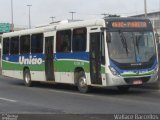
{"points": [[117, 52]]}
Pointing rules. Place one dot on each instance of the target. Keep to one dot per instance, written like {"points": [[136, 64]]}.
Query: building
{"points": [[154, 17]]}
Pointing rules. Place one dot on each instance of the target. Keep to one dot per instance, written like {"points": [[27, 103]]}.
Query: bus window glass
{"points": [[132, 47], [102, 49], [14, 45], [63, 41], [79, 40], [25, 44], [6, 46], [37, 43]]}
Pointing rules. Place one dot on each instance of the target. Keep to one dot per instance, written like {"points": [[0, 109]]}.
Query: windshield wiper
{"points": [[123, 40], [137, 44]]}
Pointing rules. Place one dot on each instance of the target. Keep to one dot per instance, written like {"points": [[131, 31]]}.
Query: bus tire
{"points": [[27, 78], [82, 84], [123, 88]]}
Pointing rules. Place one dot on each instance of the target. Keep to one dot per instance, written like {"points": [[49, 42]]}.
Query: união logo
{"points": [[32, 60]]}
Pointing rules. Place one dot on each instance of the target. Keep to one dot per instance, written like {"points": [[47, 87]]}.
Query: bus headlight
{"points": [[114, 72]]}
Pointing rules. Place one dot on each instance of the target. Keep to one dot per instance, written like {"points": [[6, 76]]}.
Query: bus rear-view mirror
{"points": [[108, 37]]}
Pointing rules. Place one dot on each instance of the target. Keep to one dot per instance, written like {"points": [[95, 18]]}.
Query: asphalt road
{"points": [[65, 99]]}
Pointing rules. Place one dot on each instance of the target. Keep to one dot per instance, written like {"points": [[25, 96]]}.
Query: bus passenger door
{"points": [[95, 58], [49, 65]]}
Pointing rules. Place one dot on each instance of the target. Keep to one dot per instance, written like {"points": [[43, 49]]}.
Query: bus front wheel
{"points": [[82, 84], [27, 78]]}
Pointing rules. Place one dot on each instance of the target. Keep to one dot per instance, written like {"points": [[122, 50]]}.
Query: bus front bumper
{"points": [[112, 80]]}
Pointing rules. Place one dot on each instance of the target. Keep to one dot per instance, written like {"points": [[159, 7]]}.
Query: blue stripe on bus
{"points": [[15, 58], [76, 56], [123, 71]]}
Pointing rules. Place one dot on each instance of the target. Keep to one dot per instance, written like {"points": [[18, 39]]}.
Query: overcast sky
{"points": [[42, 10]]}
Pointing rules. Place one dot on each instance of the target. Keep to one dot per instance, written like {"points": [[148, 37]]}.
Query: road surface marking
{"points": [[68, 92], [106, 97], [9, 100]]}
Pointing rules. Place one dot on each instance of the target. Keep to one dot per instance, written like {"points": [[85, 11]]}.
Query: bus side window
{"points": [[6, 46], [37, 43], [25, 44], [63, 41], [79, 40], [14, 45]]}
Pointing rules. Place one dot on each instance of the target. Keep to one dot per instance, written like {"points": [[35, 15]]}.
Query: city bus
{"points": [[114, 51]]}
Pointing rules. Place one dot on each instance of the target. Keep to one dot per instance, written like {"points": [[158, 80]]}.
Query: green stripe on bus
{"points": [[70, 65], [128, 75], [59, 66], [12, 66]]}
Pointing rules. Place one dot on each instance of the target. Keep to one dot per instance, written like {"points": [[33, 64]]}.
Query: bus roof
{"points": [[69, 25], [52, 27], [126, 19]]}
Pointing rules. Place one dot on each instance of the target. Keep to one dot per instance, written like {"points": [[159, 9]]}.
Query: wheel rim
{"points": [[82, 83], [27, 78]]}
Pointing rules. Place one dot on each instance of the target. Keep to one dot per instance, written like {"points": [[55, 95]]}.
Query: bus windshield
{"points": [[131, 47]]}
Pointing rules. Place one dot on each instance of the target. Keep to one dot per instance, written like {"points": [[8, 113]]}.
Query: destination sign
{"points": [[129, 24]]}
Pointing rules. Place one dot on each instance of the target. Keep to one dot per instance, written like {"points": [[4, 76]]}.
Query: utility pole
{"points": [[12, 24], [159, 8], [52, 18], [29, 6], [145, 8], [72, 14]]}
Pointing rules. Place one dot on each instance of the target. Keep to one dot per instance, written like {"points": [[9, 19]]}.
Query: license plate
{"points": [[137, 82]]}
